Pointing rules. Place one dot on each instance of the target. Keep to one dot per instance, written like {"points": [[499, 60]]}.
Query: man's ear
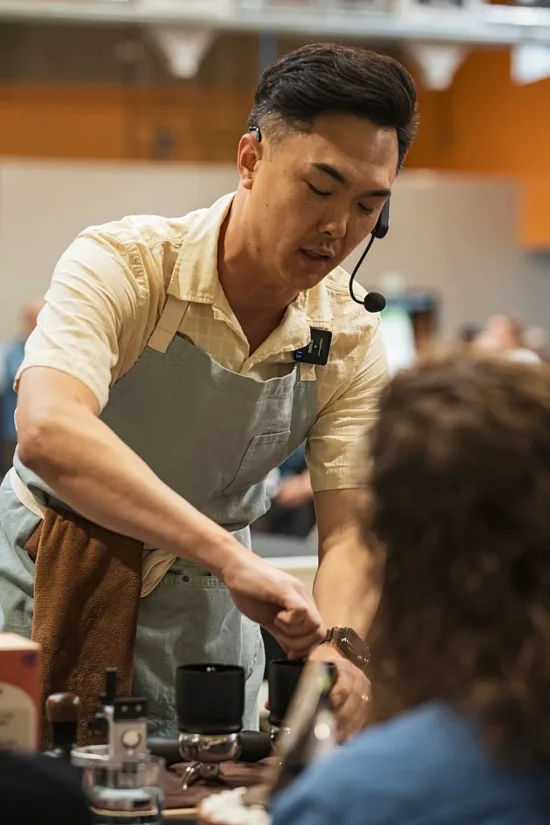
{"points": [[249, 154]]}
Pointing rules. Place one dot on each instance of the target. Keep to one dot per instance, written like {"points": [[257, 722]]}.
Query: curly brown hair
{"points": [[460, 503]]}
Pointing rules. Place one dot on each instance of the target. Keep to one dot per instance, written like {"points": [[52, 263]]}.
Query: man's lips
{"points": [[318, 254]]}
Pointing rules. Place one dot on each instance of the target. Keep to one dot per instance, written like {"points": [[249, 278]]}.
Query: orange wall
{"points": [[483, 124], [57, 122], [486, 124], [110, 122]]}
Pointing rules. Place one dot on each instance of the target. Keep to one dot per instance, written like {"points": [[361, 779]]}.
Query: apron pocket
{"points": [[263, 454]]}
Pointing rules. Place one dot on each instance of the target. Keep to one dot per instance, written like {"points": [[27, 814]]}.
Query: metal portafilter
{"points": [[253, 747], [210, 707]]}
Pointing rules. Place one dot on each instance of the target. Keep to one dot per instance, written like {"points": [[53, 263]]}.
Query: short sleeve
{"points": [[87, 325], [336, 445]]}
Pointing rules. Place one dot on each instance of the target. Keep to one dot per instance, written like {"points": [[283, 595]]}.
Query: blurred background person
{"points": [[504, 334], [292, 512], [535, 338], [12, 357]]}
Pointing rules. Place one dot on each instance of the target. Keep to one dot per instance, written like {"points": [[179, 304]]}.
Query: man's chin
{"points": [[307, 280]]}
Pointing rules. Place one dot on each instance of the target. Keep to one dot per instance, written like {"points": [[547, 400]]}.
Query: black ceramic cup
{"points": [[283, 676], [210, 698]]}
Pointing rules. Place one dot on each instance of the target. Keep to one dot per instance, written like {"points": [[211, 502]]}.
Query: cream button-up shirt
{"points": [[107, 294]]}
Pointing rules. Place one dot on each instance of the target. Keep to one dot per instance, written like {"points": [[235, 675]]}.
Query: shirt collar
{"points": [[195, 275]]}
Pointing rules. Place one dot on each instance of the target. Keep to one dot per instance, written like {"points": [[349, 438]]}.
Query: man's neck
{"points": [[259, 306]]}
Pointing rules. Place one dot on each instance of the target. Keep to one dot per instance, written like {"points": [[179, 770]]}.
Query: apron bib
{"points": [[212, 435]]}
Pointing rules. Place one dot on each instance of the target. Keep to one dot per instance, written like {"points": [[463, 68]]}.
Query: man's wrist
{"points": [[227, 556], [325, 649]]}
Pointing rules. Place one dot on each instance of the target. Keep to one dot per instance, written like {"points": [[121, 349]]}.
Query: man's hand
{"points": [[350, 695], [277, 601]]}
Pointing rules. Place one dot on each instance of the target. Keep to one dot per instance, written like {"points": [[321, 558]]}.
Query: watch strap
{"points": [[348, 642]]}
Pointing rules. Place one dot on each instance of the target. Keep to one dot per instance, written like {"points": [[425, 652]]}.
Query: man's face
{"points": [[315, 196]]}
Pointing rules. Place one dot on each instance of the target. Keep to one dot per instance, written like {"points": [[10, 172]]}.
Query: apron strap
{"points": [[24, 495], [169, 323]]}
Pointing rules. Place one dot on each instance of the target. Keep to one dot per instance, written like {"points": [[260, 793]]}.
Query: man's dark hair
{"points": [[325, 78], [460, 507]]}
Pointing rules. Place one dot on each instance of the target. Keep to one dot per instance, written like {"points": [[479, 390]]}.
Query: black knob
{"points": [[210, 698], [62, 713], [168, 749], [255, 746]]}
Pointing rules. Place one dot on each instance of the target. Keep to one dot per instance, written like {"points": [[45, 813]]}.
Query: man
{"points": [[160, 389]]}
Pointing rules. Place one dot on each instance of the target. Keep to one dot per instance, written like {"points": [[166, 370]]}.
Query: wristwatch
{"points": [[350, 645]]}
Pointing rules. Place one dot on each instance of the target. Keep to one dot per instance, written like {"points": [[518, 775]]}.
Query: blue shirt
{"points": [[13, 357], [423, 768], [295, 463]]}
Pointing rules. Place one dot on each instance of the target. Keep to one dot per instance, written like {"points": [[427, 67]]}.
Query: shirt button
{"points": [[186, 578]]}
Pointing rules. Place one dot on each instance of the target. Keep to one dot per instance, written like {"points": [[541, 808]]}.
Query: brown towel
{"points": [[86, 593]]}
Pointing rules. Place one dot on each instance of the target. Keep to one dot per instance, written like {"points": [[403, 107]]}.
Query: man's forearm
{"points": [[347, 587], [94, 472]]}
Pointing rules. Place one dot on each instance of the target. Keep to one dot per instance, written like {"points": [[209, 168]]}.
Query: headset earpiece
{"points": [[383, 222]]}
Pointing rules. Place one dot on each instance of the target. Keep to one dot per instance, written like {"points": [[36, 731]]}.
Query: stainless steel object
{"points": [[119, 790], [206, 755], [122, 779]]}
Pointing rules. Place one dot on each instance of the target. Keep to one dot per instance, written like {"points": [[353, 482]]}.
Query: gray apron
{"points": [[212, 435]]}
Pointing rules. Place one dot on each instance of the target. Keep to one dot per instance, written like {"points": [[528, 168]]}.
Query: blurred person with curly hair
{"points": [[459, 509]]}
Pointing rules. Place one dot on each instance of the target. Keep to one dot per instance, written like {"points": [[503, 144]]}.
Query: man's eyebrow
{"points": [[336, 175]]}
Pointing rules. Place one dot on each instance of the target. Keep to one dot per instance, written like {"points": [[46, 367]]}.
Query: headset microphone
{"points": [[374, 301], [317, 351]]}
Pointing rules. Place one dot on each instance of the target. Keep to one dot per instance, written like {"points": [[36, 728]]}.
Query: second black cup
{"points": [[283, 676], [210, 698]]}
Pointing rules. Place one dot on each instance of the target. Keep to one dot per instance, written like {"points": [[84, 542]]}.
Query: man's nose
{"points": [[335, 224]]}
